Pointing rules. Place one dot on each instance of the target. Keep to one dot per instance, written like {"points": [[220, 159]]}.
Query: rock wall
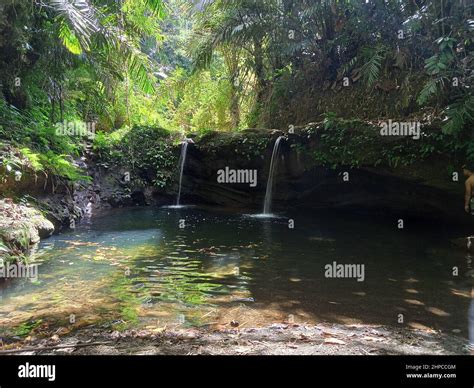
{"points": [[423, 190], [34, 205]]}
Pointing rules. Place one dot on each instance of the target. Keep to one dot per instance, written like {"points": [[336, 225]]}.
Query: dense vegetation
{"points": [[106, 68]]}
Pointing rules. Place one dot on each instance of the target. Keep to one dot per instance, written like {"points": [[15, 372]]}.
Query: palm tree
{"points": [[83, 30]]}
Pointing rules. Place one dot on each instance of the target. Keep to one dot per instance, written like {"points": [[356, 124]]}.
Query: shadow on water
{"points": [[146, 268]]}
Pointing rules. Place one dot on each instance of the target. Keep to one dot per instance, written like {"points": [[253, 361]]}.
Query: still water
{"points": [[191, 267]]}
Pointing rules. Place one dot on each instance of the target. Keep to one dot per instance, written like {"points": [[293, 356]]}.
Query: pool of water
{"points": [[193, 267]]}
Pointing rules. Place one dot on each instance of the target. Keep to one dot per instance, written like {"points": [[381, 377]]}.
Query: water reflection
{"points": [[138, 268]]}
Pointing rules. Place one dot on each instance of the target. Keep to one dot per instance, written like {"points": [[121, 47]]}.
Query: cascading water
{"points": [[273, 164], [182, 161]]}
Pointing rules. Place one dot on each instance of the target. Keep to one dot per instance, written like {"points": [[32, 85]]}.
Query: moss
{"points": [[148, 152], [357, 143], [26, 328], [248, 144]]}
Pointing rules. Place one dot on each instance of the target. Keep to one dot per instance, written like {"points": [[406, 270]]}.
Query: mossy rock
{"points": [[22, 226]]}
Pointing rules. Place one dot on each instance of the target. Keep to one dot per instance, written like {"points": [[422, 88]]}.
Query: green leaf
{"points": [[157, 7], [69, 38]]}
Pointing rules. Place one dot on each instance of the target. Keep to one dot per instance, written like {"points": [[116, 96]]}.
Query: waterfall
{"points": [[182, 161], [273, 164]]}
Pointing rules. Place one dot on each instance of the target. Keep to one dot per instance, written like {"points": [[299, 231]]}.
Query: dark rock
{"points": [[423, 191]]}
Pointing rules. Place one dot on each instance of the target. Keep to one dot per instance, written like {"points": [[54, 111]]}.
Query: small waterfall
{"points": [[182, 161], [273, 164]]}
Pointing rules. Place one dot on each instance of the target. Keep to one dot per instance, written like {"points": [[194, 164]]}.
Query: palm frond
{"points": [[117, 49], [430, 89], [158, 7], [80, 16], [69, 38], [371, 68]]}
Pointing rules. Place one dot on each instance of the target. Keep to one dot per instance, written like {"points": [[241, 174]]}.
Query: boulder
{"points": [[22, 226]]}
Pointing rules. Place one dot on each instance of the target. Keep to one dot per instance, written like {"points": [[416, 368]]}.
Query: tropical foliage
{"points": [[197, 66]]}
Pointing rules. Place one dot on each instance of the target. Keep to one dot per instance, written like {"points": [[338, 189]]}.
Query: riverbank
{"points": [[276, 339]]}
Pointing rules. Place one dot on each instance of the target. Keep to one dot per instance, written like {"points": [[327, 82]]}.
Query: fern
{"points": [[33, 158], [371, 68], [431, 88]]}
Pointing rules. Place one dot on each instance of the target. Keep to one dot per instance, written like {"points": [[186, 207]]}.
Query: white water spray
{"points": [[273, 166]]}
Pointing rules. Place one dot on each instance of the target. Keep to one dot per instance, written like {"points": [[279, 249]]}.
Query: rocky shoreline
{"points": [[276, 339]]}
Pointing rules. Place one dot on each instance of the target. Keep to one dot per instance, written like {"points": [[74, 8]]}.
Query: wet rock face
{"points": [[112, 188], [47, 205], [301, 182]]}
